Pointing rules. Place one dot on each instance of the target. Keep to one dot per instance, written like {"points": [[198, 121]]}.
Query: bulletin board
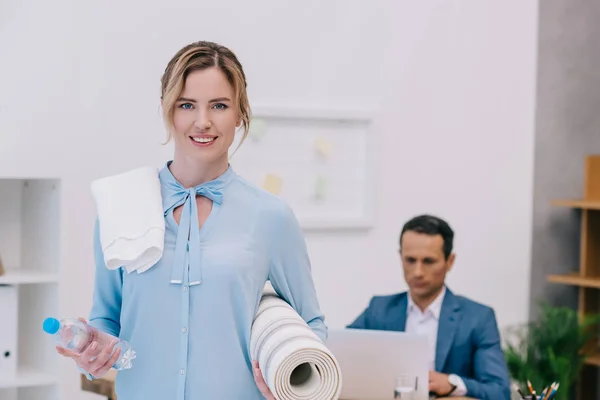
{"points": [[317, 160]]}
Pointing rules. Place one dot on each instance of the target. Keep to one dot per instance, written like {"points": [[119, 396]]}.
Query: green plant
{"points": [[550, 349]]}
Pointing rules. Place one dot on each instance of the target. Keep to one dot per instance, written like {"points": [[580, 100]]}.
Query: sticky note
{"points": [[273, 184], [258, 129], [323, 147], [320, 188]]}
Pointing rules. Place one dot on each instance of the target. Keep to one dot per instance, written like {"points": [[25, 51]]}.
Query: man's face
{"points": [[424, 264]]}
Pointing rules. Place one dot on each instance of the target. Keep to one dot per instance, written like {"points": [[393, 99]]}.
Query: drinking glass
{"points": [[406, 386]]}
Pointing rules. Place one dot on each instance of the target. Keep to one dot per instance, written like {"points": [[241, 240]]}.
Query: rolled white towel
{"points": [[293, 360], [131, 219]]}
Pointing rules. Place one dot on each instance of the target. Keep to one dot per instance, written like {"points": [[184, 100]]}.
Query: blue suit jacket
{"points": [[468, 341]]}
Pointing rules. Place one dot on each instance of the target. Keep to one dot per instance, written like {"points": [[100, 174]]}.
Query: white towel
{"points": [[131, 219], [293, 360]]}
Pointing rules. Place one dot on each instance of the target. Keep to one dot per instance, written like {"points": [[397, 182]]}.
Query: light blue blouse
{"points": [[189, 316]]}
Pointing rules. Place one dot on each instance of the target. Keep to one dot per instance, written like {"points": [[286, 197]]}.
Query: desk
{"points": [[106, 387]]}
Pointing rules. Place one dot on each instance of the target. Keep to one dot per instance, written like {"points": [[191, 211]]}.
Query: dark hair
{"points": [[431, 225]]}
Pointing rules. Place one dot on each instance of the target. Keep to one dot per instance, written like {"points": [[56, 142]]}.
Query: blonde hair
{"points": [[199, 56]]}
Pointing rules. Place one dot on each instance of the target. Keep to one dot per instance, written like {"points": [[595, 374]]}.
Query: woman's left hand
{"points": [[260, 382]]}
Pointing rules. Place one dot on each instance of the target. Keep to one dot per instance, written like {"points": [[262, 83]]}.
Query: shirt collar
{"points": [[435, 308], [175, 194], [172, 189]]}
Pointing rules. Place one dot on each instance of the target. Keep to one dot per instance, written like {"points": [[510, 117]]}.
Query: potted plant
{"points": [[552, 348]]}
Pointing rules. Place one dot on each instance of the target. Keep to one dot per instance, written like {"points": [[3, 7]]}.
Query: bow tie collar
{"points": [[174, 194]]}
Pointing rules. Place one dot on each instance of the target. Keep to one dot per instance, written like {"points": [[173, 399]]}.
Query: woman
{"points": [[190, 322]]}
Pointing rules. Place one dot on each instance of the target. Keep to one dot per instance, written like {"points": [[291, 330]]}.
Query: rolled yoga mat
{"points": [[295, 363]]}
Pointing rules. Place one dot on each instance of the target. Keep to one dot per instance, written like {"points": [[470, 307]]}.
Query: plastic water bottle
{"points": [[76, 336]]}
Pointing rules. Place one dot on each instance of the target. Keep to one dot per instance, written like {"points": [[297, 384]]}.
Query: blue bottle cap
{"points": [[51, 325]]}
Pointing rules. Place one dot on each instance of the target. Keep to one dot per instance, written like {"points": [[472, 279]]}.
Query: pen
{"points": [[553, 391], [533, 396], [543, 394], [548, 391], [519, 391]]}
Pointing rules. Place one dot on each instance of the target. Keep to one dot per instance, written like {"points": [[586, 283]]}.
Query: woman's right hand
{"points": [[95, 360]]}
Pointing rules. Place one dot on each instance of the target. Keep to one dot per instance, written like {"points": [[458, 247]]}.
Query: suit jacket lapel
{"points": [[398, 322], [448, 323]]}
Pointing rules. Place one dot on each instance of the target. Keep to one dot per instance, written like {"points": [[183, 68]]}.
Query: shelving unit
{"points": [[30, 252], [587, 276]]}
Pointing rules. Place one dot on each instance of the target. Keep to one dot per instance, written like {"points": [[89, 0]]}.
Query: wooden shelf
{"points": [[575, 279], [581, 204], [24, 276], [587, 276], [593, 360], [28, 377]]}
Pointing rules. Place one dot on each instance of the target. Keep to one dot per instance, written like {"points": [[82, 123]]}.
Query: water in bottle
{"points": [[403, 393], [76, 336], [405, 387]]}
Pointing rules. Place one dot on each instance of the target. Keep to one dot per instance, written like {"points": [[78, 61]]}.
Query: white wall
{"points": [[454, 83]]}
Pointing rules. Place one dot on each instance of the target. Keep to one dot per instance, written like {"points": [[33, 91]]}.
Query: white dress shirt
{"points": [[426, 323]]}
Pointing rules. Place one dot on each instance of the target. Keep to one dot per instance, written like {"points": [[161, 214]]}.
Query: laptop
{"points": [[371, 361]]}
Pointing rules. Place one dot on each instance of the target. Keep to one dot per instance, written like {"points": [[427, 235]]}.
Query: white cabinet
{"points": [[9, 322], [30, 251]]}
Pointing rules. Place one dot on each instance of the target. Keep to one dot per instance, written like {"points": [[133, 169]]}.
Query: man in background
{"points": [[465, 358]]}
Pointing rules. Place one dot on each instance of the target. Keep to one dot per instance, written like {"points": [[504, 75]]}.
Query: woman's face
{"points": [[205, 117]]}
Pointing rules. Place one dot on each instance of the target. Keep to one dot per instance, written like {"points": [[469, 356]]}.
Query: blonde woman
{"points": [[189, 316]]}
